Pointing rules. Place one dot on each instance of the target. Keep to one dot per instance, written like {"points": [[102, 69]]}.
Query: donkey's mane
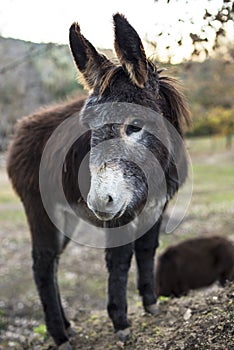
{"points": [[175, 106]]}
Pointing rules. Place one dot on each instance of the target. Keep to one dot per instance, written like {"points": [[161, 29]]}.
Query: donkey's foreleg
{"points": [[145, 248], [69, 331], [118, 261], [45, 274]]}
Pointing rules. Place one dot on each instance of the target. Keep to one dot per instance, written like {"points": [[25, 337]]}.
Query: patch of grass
{"points": [[163, 298], [95, 287], [12, 215], [211, 208], [41, 330], [10, 205], [201, 145], [3, 320], [8, 196], [214, 173], [213, 183]]}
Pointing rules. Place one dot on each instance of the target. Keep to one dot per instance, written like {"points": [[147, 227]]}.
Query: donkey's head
{"points": [[127, 110]]}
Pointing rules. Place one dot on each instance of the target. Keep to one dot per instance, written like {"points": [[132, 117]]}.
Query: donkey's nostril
{"points": [[110, 199]]}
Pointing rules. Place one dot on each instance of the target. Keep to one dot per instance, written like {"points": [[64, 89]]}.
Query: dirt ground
{"points": [[202, 320]]}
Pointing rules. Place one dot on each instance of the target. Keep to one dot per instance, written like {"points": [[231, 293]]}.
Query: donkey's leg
{"points": [[118, 261], [145, 248], [69, 331], [47, 244], [44, 269]]}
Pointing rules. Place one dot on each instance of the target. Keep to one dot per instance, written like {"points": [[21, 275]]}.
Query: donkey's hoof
{"points": [[65, 346], [151, 309], [123, 334], [71, 332]]}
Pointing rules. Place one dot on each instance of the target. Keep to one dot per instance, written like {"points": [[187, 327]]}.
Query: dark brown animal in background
{"points": [[193, 264]]}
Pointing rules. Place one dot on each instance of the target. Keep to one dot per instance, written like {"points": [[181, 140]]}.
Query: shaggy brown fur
{"points": [[193, 264], [31, 135]]}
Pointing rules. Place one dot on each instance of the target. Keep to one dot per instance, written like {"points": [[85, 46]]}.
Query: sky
{"points": [[49, 20]]}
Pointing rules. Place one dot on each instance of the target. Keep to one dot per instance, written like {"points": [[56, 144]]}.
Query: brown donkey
{"points": [[129, 103], [194, 263]]}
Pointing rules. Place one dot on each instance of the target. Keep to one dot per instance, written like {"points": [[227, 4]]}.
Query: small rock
{"points": [[187, 314], [120, 344]]}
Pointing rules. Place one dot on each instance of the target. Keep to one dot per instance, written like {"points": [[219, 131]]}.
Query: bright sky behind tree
{"points": [[49, 20]]}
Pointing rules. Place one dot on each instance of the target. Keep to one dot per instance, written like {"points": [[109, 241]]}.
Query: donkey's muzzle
{"points": [[107, 216], [105, 207]]}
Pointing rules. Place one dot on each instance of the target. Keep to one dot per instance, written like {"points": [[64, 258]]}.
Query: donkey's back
{"points": [[31, 135]]}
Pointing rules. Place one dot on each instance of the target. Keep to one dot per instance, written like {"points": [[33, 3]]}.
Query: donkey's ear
{"points": [[90, 63], [130, 51]]}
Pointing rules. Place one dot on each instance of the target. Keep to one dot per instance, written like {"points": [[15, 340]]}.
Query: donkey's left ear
{"points": [[90, 63], [130, 50]]}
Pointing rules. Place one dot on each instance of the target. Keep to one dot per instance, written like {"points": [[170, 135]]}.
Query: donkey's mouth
{"points": [[103, 216]]}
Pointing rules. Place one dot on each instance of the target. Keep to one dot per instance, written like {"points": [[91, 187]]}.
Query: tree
{"points": [[216, 121], [222, 121], [215, 21]]}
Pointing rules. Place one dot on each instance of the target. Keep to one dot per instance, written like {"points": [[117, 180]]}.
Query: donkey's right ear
{"points": [[90, 63], [130, 50]]}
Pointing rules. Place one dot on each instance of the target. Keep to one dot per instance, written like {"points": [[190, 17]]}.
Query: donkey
{"points": [[129, 102], [193, 264]]}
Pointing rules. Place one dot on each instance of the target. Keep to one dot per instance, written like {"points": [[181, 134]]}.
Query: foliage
{"points": [[41, 331], [213, 29], [216, 121], [210, 92], [40, 75], [49, 74]]}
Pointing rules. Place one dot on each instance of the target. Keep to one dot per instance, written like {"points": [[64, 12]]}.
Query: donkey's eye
{"points": [[135, 126]]}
